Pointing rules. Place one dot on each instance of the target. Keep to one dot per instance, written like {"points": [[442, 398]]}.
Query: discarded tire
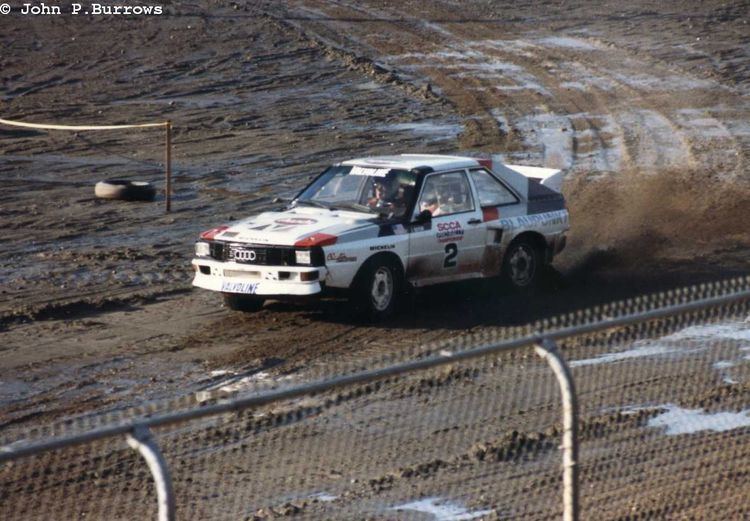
{"points": [[125, 190]]}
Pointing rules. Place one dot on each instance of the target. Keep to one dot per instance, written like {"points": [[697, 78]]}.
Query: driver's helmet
{"points": [[380, 191]]}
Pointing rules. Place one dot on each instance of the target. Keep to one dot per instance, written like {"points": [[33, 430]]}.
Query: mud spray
{"points": [[654, 221]]}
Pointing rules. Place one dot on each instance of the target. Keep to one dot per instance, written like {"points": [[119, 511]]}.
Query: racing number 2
{"points": [[451, 252]]}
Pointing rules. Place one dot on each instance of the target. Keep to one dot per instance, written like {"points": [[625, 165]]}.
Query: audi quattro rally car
{"points": [[374, 225]]}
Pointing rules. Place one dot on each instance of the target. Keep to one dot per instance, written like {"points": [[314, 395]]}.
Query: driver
{"points": [[388, 197], [379, 191]]}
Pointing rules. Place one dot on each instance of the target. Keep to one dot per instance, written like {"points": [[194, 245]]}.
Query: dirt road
{"points": [[646, 107]]}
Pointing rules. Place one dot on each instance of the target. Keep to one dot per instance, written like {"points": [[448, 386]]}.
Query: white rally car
{"points": [[376, 226]]}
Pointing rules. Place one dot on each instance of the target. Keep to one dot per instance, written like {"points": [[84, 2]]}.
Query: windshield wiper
{"points": [[354, 206], [313, 203]]}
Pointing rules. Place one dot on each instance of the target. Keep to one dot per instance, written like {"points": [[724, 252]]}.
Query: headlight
{"points": [[302, 257], [202, 249]]}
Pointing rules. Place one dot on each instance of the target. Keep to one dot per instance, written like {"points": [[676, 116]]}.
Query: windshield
{"points": [[381, 191]]}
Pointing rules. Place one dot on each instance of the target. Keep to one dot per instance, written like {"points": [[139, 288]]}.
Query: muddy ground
{"points": [[645, 105]]}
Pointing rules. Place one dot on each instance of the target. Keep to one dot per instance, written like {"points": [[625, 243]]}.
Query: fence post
{"points": [[547, 349], [168, 165], [141, 440]]}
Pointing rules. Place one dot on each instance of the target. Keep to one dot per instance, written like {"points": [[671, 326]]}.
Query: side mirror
{"points": [[423, 217]]}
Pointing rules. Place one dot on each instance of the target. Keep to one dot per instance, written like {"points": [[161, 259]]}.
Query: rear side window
{"points": [[491, 191]]}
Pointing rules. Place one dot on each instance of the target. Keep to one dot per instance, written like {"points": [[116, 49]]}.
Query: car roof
{"points": [[411, 161]]}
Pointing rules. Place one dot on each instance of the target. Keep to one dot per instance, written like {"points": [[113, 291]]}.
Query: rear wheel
{"points": [[378, 289], [521, 265], [237, 302]]}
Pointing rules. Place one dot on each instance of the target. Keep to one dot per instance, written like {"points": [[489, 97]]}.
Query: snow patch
{"points": [[469, 63], [568, 43], [674, 343], [665, 83], [639, 352], [323, 496], [426, 128], [245, 383], [688, 421], [739, 331], [442, 510], [551, 135]]}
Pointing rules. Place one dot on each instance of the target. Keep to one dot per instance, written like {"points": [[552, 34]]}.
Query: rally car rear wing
{"points": [[520, 176]]}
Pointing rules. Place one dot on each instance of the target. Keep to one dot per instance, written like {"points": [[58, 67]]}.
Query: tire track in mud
{"points": [[651, 138], [640, 129]]}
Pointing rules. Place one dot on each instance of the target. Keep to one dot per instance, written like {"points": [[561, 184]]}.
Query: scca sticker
{"points": [[449, 232]]}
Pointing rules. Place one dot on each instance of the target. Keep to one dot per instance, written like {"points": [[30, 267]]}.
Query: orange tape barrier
{"points": [[168, 145]]}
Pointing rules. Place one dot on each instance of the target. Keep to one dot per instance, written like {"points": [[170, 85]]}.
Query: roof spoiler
{"points": [[549, 177]]}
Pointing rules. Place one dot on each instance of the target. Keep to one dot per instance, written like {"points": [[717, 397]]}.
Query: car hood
{"points": [[297, 226]]}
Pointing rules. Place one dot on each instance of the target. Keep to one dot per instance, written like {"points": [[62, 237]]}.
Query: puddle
{"points": [[688, 421], [442, 510]]}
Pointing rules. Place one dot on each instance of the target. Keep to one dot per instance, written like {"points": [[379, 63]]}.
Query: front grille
{"points": [[260, 255], [252, 254]]}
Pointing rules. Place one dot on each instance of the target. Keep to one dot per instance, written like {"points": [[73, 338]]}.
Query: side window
{"points": [[491, 191], [445, 194]]}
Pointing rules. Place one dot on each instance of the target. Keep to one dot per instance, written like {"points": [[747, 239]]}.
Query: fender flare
{"points": [[372, 258]]}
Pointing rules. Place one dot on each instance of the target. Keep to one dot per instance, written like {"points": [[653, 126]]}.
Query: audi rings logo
{"points": [[245, 255]]}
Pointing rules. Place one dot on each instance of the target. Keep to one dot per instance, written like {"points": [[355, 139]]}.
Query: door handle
{"points": [[474, 221]]}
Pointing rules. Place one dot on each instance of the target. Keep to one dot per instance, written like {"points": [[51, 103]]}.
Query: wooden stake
{"points": [[168, 163]]}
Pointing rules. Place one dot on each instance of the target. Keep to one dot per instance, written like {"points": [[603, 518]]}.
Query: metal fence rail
{"points": [[632, 320]]}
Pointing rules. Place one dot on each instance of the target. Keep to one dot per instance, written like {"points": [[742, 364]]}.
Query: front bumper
{"points": [[249, 279]]}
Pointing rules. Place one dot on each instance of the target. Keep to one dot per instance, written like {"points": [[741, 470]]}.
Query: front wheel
{"points": [[521, 265], [378, 288], [238, 302]]}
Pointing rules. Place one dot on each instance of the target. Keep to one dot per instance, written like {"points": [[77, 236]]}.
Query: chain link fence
{"points": [[465, 429]]}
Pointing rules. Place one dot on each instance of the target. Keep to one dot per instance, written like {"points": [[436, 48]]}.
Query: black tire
{"points": [[125, 190], [522, 265], [238, 302], [378, 288]]}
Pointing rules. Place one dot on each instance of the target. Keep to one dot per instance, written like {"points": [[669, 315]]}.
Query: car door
{"points": [[500, 206], [451, 245]]}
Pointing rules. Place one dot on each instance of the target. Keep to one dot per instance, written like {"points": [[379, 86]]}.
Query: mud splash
{"points": [[634, 219]]}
